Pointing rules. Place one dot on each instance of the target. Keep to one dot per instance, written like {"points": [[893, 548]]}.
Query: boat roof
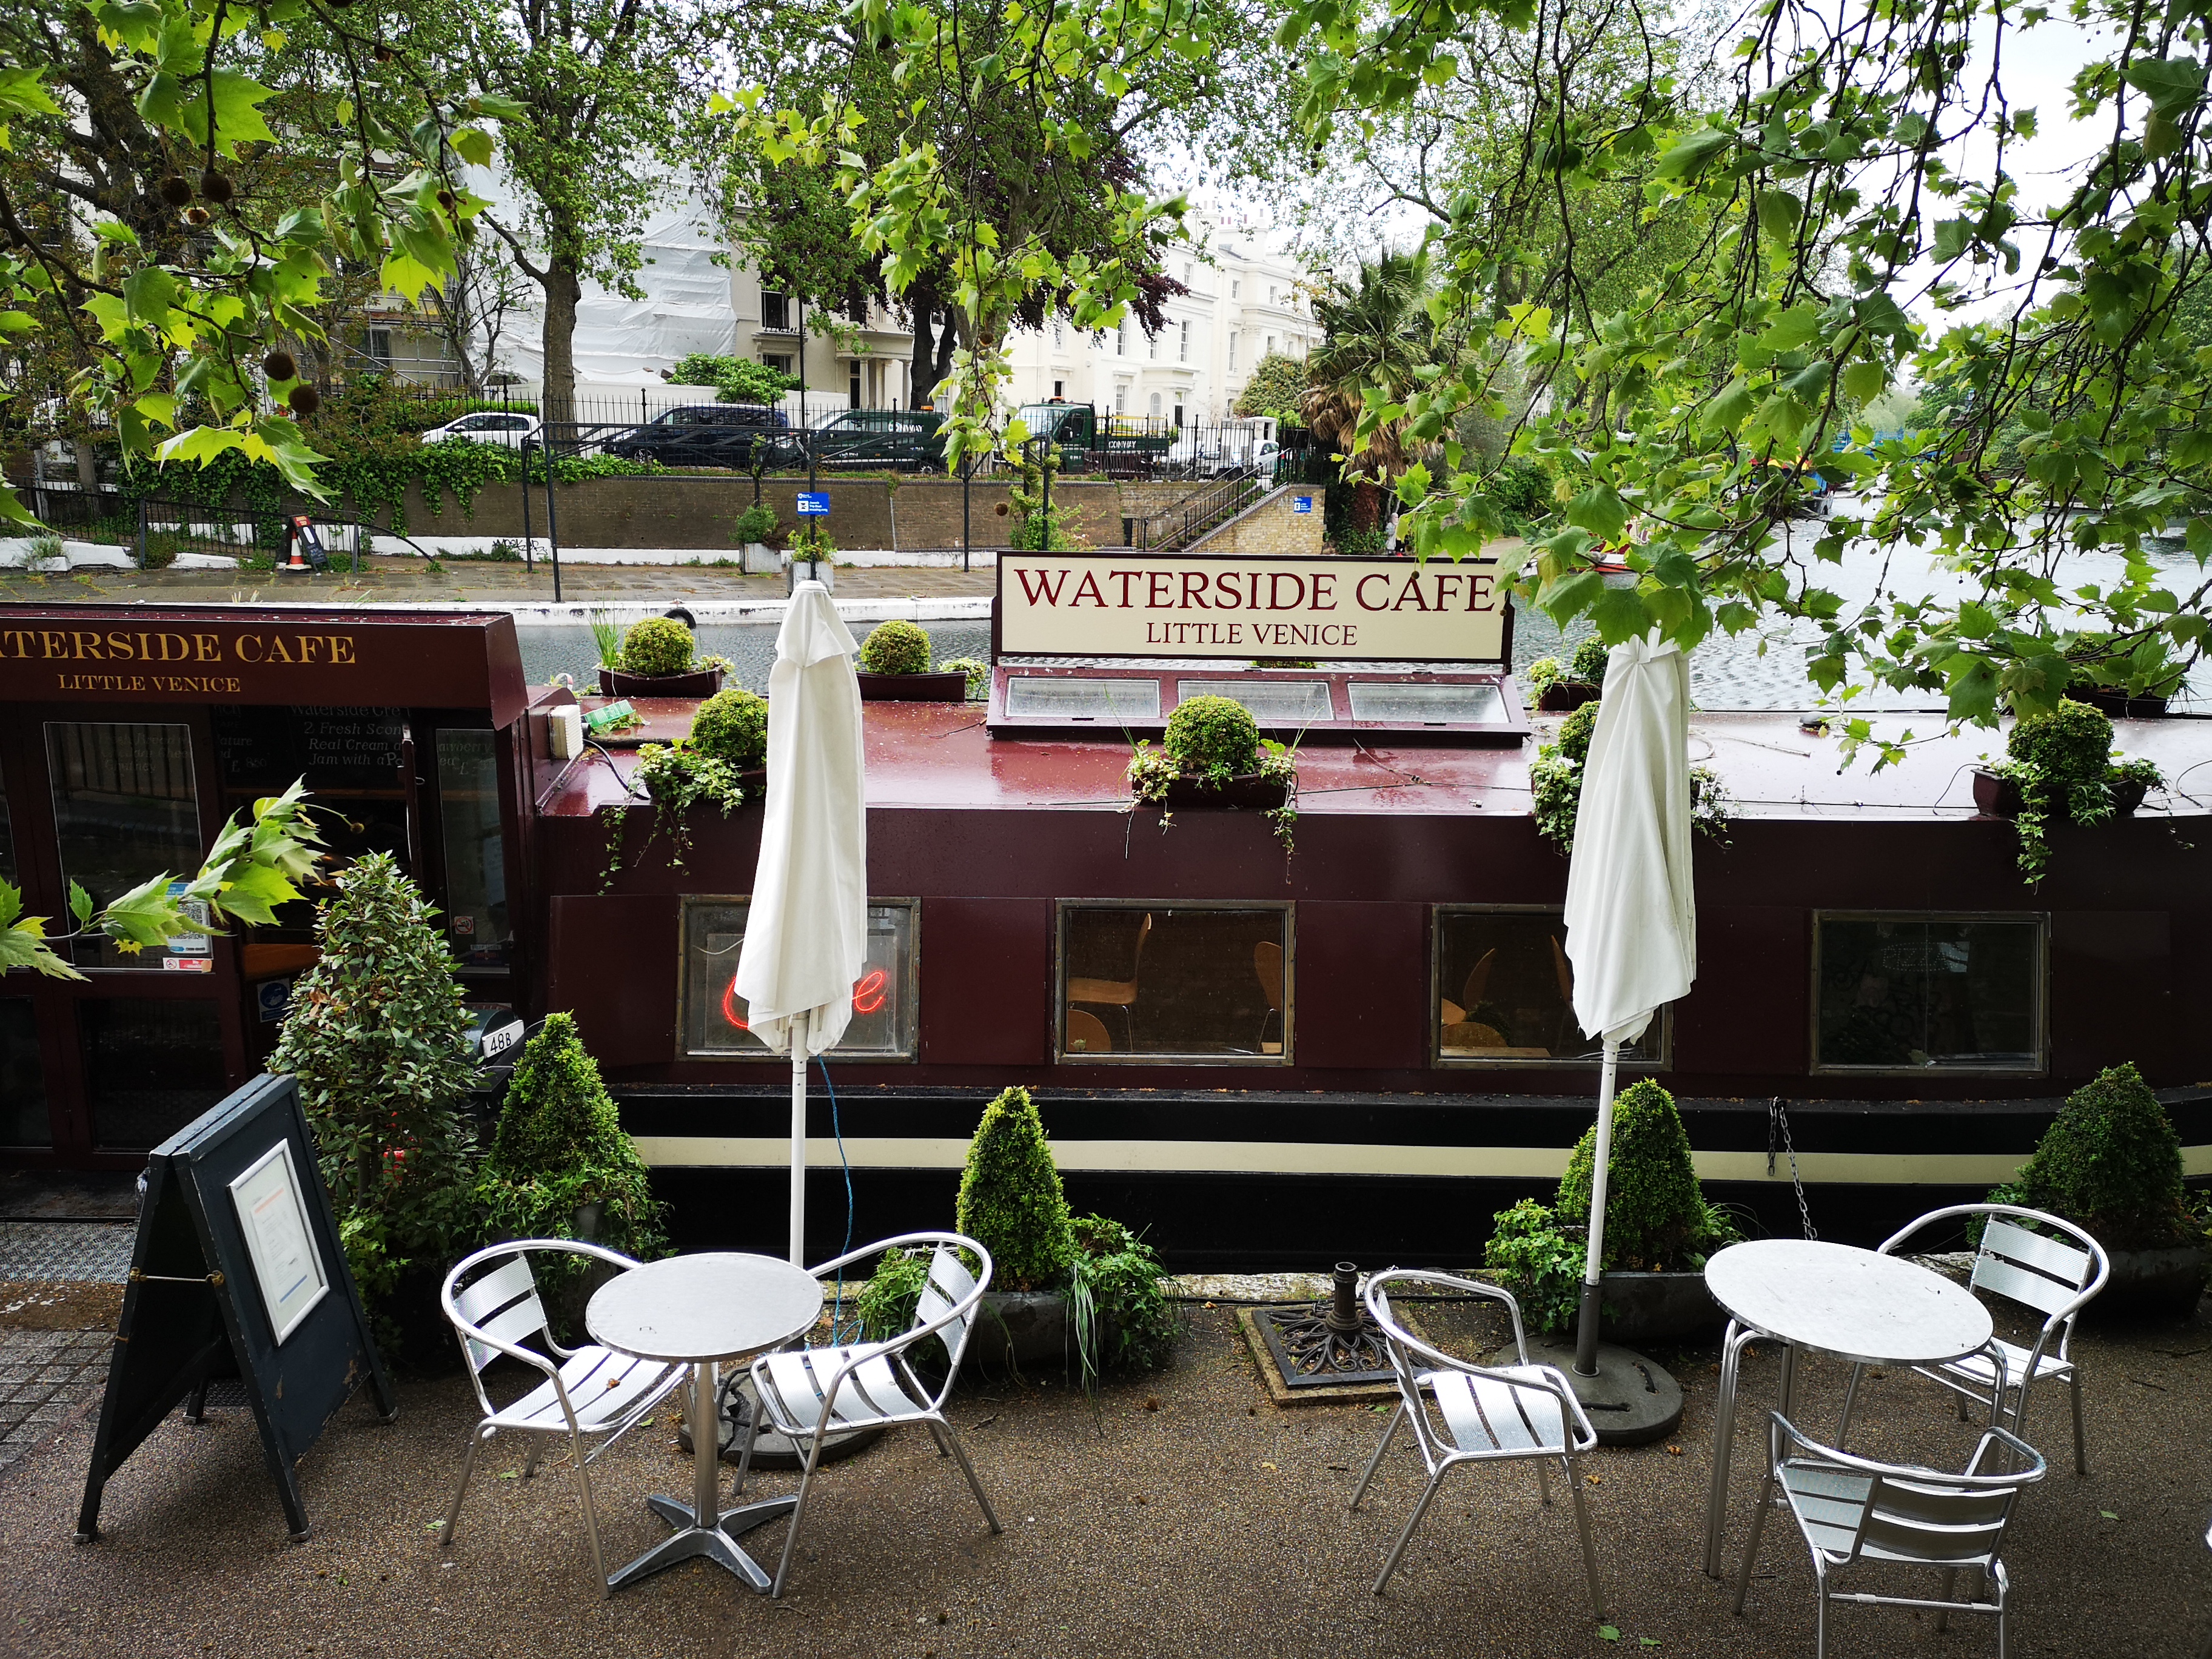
{"points": [[940, 755]]}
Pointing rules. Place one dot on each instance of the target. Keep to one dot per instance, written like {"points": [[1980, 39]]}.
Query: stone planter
{"points": [[796, 571], [759, 559], [1018, 1330], [1998, 796], [932, 687], [700, 683], [1640, 1309], [1565, 697], [1253, 791], [2153, 1284]]}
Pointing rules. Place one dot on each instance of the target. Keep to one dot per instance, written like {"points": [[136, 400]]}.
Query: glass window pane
{"points": [[476, 853], [1909, 992], [1273, 703], [1438, 705], [7, 843], [23, 1121], [1175, 981], [1082, 699], [150, 1067], [125, 808], [884, 1020], [1504, 991]]}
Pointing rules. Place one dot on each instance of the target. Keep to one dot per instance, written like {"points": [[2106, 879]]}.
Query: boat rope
{"points": [[1778, 1120]]}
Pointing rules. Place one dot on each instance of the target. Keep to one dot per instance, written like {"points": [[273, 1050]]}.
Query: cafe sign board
{"points": [[1130, 604], [259, 654]]}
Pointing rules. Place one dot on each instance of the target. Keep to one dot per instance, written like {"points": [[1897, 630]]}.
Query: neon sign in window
{"points": [[716, 1022]]}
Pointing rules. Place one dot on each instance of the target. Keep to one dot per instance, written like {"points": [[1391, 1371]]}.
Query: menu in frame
{"points": [[274, 1218]]}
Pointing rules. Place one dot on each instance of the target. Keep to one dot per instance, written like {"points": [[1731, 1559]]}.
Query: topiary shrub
{"points": [[378, 1040], [1656, 1219], [896, 648], [560, 1149], [657, 645], [1011, 1201], [1213, 737], [2111, 1163], [2070, 745], [732, 726], [1587, 667]]}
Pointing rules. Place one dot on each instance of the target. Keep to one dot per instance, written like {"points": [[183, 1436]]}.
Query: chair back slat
{"points": [[502, 1285], [2046, 1296], [2062, 1260], [510, 1324], [1920, 1539], [950, 1283]]}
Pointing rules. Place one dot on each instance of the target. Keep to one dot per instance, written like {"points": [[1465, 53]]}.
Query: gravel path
{"points": [[1188, 1518]]}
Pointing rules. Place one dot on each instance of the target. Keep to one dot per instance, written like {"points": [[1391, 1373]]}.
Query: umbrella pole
{"points": [[1586, 1329], [799, 1140]]}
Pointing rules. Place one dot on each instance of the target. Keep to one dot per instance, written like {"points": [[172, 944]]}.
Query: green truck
{"points": [[1092, 440]]}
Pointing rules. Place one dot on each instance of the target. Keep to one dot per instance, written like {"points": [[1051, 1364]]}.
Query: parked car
{"points": [[1213, 452], [867, 437], [487, 427], [700, 435]]}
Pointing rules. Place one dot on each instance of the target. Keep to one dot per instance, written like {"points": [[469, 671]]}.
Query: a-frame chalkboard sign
{"points": [[237, 1270]]}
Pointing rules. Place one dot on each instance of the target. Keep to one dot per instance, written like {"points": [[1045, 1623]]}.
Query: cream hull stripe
{"points": [[1296, 1157]]}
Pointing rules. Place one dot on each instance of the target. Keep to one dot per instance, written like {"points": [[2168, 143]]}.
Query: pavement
{"points": [[391, 580], [1180, 1514]]}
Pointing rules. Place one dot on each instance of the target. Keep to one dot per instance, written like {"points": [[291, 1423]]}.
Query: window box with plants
{"points": [[722, 762], [656, 658], [1078, 1292], [2061, 764], [894, 668], [1213, 755], [2110, 1164], [1562, 689], [1658, 1231]]}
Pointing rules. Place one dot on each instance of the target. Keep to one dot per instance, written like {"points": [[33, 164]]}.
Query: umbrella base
{"points": [[1632, 1401]]}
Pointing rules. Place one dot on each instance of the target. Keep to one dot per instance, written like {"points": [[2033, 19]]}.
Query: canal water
{"points": [[750, 646]]}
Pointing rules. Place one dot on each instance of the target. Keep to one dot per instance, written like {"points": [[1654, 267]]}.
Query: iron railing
{"points": [[1188, 520]]}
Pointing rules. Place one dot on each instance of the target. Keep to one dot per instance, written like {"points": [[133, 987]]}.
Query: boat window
{"points": [[476, 853], [23, 1119], [1273, 703], [884, 1018], [1503, 992], [1166, 981], [1082, 699], [125, 809], [6, 842], [1413, 701], [151, 1065], [1917, 993]]}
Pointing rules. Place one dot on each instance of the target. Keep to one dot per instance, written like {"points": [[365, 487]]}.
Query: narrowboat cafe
{"points": [[1363, 1046]]}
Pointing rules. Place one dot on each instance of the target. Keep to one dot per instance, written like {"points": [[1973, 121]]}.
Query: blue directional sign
{"points": [[813, 503], [1301, 503]]}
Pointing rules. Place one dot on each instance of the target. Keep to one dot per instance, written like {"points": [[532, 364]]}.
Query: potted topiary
{"points": [[1658, 1231], [757, 532], [1555, 784], [732, 727], [2110, 1164], [659, 660], [1212, 756], [2062, 762], [894, 668], [1561, 690], [561, 1167], [377, 1039]]}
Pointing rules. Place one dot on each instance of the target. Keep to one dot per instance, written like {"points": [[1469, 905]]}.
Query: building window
{"points": [[1156, 404], [1178, 417], [1235, 287], [151, 1065], [1120, 407], [1271, 345], [1232, 348], [1186, 273], [125, 808], [1920, 992], [1182, 346], [1059, 335], [854, 383], [1502, 991], [1152, 348], [23, 1121], [884, 1020], [776, 311], [1121, 338], [476, 853], [1184, 983], [778, 361]]}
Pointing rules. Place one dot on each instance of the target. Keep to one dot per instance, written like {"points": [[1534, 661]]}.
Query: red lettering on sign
{"points": [[868, 994], [1047, 582], [1232, 595], [1412, 592], [730, 1006], [1275, 581], [1361, 591], [1090, 585]]}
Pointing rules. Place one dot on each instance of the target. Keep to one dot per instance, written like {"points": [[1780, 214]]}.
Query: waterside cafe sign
{"points": [[70, 653], [1141, 605]]}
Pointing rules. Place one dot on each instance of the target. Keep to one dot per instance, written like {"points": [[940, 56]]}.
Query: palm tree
{"points": [[1379, 333]]}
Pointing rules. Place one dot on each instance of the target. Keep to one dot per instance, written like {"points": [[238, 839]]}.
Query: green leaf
{"points": [[1608, 1632], [146, 293], [474, 146], [144, 915], [1620, 614], [80, 904], [1689, 155], [1778, 214], [1793, 328], [1863, 382], [1569, 597], [237, 115], [1728, 411], [1601, 511], [252, 892], [2172, 84]]}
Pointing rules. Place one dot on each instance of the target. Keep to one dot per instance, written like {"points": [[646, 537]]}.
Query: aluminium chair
{"points": [[586, 1391], [1117, 993], [1465, 1414], [2044, 1273], [1854, 1512], [807, 1395]]}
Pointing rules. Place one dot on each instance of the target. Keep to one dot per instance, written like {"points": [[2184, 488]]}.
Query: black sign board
{"points": [[238, 1270]]}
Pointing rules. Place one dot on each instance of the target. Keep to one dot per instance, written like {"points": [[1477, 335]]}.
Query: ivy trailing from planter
{"points": [[2065, 766], [1213, 741], [706, 765], [1555, 783]]}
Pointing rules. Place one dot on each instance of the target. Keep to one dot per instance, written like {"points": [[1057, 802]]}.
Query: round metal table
{"points": [[1855, 1305], [702, 1311]]}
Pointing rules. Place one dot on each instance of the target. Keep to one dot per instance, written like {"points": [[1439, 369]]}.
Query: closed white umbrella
{"points": [[1631, 916], [807, 933]]}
